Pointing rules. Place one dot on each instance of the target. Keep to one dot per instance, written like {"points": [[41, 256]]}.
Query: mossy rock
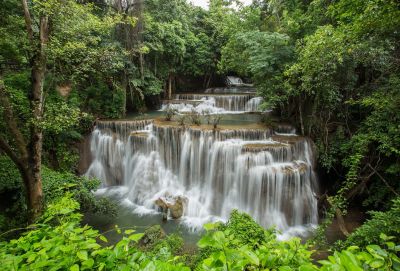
{"points": [[151, 237]]}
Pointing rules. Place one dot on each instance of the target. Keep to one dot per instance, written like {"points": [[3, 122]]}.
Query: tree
{"points": [[45, 44], [29, 157]]}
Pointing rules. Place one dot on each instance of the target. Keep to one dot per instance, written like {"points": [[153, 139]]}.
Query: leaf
{"points": [[103, 238], [307, 268], [82, 254], [376, 250], [127, 232], [219, 236], [88, 263], [205, 241], [250, 255], [136, 237], [75, 267], [377, 263], [209, 226]]}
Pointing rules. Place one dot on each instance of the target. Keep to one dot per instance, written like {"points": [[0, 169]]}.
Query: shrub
{"points": [[58, 242], [55, 185], [195, 117], [387, 223], [170, 112]]}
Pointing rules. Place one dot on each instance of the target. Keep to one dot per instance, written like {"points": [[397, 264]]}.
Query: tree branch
{"points": [[9, 118], [28, 20], [17, 161], [383, 180]]}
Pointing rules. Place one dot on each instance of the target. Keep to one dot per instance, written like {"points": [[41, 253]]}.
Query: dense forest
{"points": [[330, 68]]}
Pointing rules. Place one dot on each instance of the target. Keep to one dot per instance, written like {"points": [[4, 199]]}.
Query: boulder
{"points": [[174, 204]]}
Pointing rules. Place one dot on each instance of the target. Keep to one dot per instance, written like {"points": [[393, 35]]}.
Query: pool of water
{"points": [[227, 119], [127, 218]]}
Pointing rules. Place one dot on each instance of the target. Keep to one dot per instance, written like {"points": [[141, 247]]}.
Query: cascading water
{"points": [[214, 103], [266, 173]]}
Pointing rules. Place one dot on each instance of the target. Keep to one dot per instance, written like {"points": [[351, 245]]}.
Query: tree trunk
{"points": [[38, 69], [36, 135], [301, 117], [141, 62], [170, 87], [209, 81]]}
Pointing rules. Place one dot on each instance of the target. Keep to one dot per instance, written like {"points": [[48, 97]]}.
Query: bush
{"points": [[58, 242], [387, 223], [195, 117], [170, 112], [246, 230], [230, 250], [55, 185]]}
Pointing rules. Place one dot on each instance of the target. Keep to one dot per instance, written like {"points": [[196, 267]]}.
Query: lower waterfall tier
{"points": [[264, 173]]}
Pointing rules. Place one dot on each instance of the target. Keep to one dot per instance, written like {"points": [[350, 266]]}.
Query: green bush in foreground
{"points": [[59, 242], [231, 247]]}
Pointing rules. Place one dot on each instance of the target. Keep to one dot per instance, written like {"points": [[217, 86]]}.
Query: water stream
{"points": [[265, 172]]}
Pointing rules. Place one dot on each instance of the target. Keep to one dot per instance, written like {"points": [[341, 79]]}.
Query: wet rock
{"points": [[176, 209], [174, 204]]}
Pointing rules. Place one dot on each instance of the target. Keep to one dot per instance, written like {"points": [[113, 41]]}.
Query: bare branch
{"points": [[383, 180]]}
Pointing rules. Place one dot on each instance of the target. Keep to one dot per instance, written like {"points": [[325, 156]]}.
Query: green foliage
{"points": [[242, 244], [12, 213], [262, 56], [170, 112], [381, 223], [245, 229], [59, 242], [104, 100], [373, 257], [230, 250], [55, 185], [159, 245], [195, 117]]}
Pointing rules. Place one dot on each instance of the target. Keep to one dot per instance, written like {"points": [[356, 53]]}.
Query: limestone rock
{"points": [[174, 204]]}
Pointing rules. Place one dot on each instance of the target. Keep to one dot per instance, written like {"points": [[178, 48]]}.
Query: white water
{"points": [[214, 104], [270, 177]]}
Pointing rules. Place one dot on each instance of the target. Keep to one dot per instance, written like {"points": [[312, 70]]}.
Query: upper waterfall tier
{"points": [[242, 89], [265, 173], [214, 103]]}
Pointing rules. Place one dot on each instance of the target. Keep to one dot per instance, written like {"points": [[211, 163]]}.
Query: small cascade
{"points": [[253, 105], [266, 173], [214, 103], [231, 90]]}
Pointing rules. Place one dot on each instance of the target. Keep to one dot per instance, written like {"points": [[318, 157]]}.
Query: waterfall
{"points": [[214, 103], [266, 173]]}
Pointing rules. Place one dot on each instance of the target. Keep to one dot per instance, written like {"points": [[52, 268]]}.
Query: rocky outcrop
{"points": [[174, 205]]}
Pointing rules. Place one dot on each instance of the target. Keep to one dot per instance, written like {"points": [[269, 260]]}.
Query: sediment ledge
{"points": [[254, 126], [257, 147]]}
